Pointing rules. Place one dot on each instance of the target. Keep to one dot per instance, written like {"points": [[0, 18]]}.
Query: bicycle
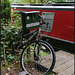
{"points": [[38, 57]]}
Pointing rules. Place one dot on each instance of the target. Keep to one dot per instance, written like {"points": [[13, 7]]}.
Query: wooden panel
{"points": [[64, 63], [64, 66], [68, 71]]}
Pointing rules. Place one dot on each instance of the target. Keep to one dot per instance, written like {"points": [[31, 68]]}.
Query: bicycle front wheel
{"points": [[38, 58]]}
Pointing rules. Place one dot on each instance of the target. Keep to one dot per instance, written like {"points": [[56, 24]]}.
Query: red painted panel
{"points": [[63, 25]]}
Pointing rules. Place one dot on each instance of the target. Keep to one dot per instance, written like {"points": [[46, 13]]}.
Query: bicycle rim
{"points": [[39, 64]]}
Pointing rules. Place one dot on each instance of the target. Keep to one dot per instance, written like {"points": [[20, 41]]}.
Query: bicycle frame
{"points": [[33, 32], [36, 48], [37, 31]]}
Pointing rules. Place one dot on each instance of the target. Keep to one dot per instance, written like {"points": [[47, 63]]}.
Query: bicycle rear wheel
{"points": [[38, 58]]}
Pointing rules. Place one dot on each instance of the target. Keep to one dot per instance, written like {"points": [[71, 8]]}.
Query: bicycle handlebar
{"points": [[42, 19]]}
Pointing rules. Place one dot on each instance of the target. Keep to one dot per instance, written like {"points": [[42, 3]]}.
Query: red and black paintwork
{"points": [[62, 34]]}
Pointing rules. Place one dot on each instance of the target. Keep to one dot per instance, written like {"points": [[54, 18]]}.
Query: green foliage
{"points": [[41, 1], [57, 1], [42, 53], [35, 1], [5, 10], [10, 37], [17, 1], [17, 19], [23, 1], [13, 58]]}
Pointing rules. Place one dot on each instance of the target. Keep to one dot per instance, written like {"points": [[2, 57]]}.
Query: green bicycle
{"points": [[38, 57]]}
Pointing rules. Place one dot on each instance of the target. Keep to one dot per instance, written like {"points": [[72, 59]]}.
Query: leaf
{"points": [[5, 46], [14, 43], [8, 68], [7, 51], [2, 32], [2, 38], [5, 29], [16, 33], [7, 42], [2, 42], [1, 55], [1, 47], [12, 27]]}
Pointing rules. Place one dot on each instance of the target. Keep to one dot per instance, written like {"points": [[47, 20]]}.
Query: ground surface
{"points": [[64, 65]]}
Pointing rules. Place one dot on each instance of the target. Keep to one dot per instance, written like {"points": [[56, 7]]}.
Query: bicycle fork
{"points": [[36, 51]]}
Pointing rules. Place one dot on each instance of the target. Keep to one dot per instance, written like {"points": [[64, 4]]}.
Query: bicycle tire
{"points": [[28, 61]]}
